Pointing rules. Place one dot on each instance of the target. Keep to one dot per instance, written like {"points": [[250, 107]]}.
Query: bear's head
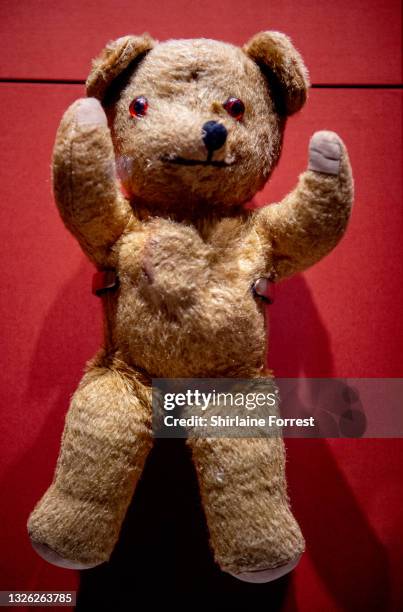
{"points": [[197, 124]]}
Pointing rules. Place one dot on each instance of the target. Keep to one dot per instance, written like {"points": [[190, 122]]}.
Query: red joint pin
{"points": [[103, 281]]}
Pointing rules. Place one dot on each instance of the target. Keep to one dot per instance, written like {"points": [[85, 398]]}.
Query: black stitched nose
{"points": [[214, 135]]}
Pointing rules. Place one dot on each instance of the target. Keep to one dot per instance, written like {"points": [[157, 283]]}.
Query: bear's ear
{"points": [[283, 67], [113, 60]]}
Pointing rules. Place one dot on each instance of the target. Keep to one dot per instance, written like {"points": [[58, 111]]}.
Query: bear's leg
{"points": [[105, 443], [243, 489]]}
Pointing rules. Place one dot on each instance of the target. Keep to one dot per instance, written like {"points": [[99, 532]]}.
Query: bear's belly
{"points": [[221, 334], [185, 310]]}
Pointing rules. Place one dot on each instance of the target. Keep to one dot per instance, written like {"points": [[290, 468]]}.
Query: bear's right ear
{"points": [[113, 60]]}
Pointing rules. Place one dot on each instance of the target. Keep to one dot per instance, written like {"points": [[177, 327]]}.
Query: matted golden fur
{"points": [[187, 254]]}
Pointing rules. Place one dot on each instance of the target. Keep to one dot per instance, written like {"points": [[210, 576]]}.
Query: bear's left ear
{"points": [[283, 67], [113, 60]]}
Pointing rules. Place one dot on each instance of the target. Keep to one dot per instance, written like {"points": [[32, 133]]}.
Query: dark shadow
{"points": [[341, 543], [299, 344], [343, 547]]}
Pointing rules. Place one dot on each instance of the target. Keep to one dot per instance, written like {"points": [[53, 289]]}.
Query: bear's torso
{"points": [[185, 307]]}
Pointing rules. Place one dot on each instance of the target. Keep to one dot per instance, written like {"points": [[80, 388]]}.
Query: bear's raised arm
{"points": [[84, 180], [310, 221]]}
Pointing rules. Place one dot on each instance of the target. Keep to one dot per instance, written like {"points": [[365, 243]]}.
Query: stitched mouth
{"points": [[181, 161]]}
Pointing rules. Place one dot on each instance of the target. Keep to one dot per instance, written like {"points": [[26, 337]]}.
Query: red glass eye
{"points": [[235, 107], [138, 107]]}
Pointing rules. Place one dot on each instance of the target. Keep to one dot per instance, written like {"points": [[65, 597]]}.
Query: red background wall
{"points": [[342, 318]]}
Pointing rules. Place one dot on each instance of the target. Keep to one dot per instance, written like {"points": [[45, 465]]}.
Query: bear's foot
{"points": [[253, 532], [72, 533]]}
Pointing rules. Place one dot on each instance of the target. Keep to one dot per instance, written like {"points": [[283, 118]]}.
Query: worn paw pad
{"points": [[268, 575], [52, 557], [325, 153], [90, 112]]}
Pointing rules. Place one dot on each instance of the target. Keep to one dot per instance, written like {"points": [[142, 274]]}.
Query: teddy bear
{"points": [[151, 173]]}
